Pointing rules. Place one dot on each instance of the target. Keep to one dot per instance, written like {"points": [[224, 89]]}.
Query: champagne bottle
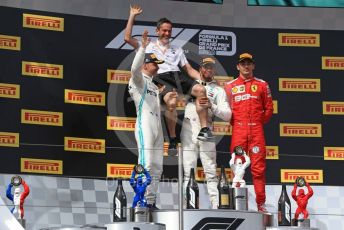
{"points": [[224, 191], [284, 211], [192, 192], [119, 204]]}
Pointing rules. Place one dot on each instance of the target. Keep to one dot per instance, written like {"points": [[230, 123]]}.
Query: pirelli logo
{"points": [[304, 40], [31, 165], [36, 69], [9, 139], [333, 153], [84, 97], [9, 42], [200, 176], [9, 90], [84, 145], [121, 123], [43, 22], [299, 84], [118, 76], [332, 63], [333, 107], [222, 80], [311, 175], [275, 104], [222, 128], [272, 152], [38, 117], [119, 170], [300, 130]]}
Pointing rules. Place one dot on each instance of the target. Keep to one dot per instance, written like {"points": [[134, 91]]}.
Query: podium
{"points": [[211, 219]]}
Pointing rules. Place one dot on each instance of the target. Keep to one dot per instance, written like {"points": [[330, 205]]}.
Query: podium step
{"points": [[290, 228], [210, 219]]}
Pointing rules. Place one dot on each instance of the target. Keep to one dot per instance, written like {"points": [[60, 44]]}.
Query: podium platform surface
{"points": [[135, 225], [210, 219], [290, 228]]}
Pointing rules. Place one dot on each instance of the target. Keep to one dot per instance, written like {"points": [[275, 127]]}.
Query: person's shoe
{"points": [[262, 208], [205, 134], [172, 147], [152, 207]]}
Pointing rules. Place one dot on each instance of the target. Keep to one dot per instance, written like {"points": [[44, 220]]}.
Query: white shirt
{"points": [[172, 55]]}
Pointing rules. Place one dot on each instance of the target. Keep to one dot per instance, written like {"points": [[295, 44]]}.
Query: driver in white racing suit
{"points": [[218, 105]]}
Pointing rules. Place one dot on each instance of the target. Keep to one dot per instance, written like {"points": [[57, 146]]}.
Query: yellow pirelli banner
{"points": [[39, 117], [8, 42], [299, 84], [332, 63], [334, 153], [200, 176], [9, 90], [311, 175], [32, 165], [300, 130], [298, 40], [36, 69], [275, 104], [222, 80], [118, 76], [84, 97], [90, 145], [119, 170], [9, 139], [222, 128], [121, 123], [272, 152], [35, 21], [333, 107]]}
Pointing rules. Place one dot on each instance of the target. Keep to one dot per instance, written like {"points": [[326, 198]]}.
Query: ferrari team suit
{"points": [[148, 129], [192, 147], [252, 107]]}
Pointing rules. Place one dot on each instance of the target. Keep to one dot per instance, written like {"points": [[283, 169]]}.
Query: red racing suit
{"points": [[252, 107]]}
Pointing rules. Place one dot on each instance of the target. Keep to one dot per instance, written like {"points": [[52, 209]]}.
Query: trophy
{"points": [[238, 163], [139, 209], [301, 199], [18, 197]]}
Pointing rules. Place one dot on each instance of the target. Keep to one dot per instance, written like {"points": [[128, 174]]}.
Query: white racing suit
{"points": [[148, 129], [206, 150]]}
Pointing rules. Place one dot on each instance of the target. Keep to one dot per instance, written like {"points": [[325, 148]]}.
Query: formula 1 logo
{"points": [[210, 42], [209, 223]]}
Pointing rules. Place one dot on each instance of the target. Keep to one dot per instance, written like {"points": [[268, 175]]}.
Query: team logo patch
{"points": [[254, 88], [238, 89], [255, 149]]}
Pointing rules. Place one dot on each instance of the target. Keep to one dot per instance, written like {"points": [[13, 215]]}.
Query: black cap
{"points": [[151, 58], [207, 61]]}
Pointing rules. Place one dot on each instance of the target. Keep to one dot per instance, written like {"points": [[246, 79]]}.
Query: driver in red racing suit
{"points": [[251, 103]]}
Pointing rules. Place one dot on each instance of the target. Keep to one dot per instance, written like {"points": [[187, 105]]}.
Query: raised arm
{"points": [[194, 74], [9, 192], [134, 11]]}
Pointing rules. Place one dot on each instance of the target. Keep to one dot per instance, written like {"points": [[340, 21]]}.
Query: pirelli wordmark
{"points": [[119, 170], [121, 123], [9, 90], [84, 97], [200, 176], [31, 165], [333, 107], [311, 175], [300, 130], [333, 153], [43, 22], [38, 117], [332, 63], [299, 84], [9, 42], [118, 76], [37, 69], [9, 139], [293, 39], [272, 152], [222, 80], [84, 144]]}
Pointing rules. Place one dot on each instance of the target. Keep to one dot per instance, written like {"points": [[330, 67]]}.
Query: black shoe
{"points": [[172, 148], [152, 207], [205, 135]]}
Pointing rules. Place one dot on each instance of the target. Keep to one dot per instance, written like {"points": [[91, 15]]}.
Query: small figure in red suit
{"points": [[302, 200]]}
